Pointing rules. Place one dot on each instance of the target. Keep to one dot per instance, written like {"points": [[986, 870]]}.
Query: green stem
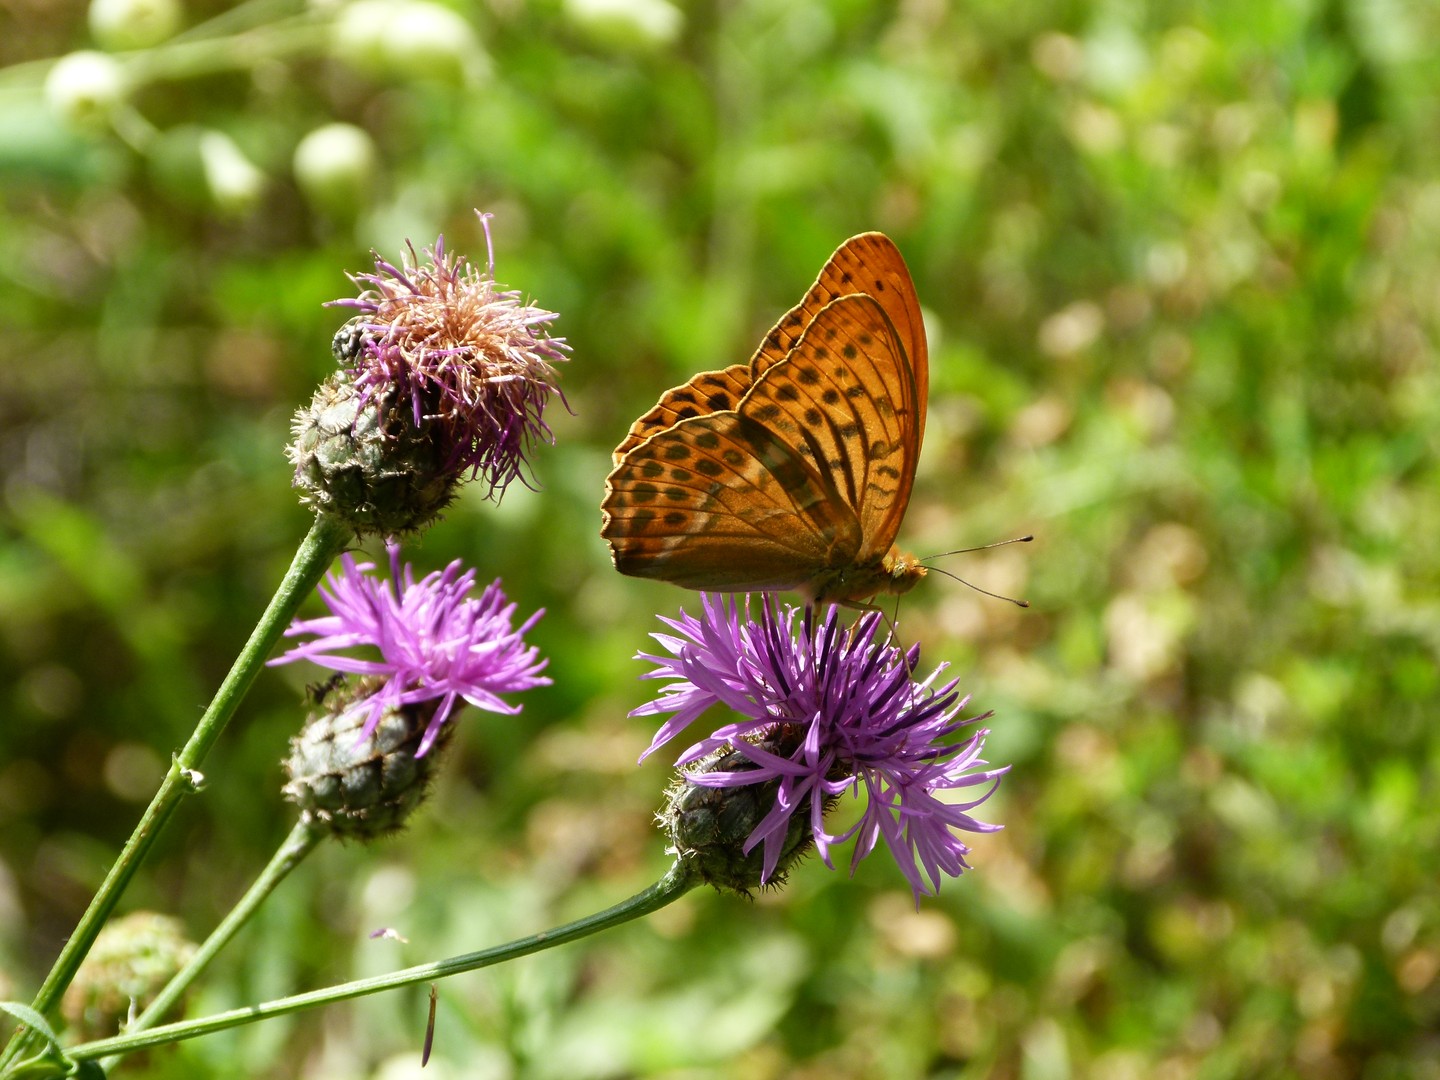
{"points": [[676, 882], [201, 51], [300, 35], [326, 539], [291, 853]]}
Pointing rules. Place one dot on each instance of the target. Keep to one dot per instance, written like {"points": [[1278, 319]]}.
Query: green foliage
{"points": [[1181, 265]]}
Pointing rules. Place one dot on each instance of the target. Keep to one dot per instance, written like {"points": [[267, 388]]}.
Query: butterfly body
{"points": [[791, 472], [897, 572]]}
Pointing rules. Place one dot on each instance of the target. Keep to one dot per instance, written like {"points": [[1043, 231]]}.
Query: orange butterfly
{"points": [[791, 472]]}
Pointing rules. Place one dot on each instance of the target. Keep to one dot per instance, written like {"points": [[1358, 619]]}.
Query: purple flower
{"points": [[459, 351], [435, 640], [858, 718]]}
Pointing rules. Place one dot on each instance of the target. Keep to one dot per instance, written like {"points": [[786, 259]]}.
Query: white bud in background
{"points": [[84, 88], [335, 166], [133, 24], [628, 23], [412, 39], [235, 182]]}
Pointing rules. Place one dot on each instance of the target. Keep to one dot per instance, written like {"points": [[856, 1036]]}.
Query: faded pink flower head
{"points": [[459, 351]]}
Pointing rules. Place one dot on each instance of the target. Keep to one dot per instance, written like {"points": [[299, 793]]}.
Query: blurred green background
{"points": [[1181, 266]]}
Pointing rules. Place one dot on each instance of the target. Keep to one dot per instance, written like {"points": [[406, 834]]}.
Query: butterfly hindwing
{"points": [[686, 500], [708, 392]]}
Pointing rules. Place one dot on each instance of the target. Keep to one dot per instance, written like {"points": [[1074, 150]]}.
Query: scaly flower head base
{"points": [[356, 786], [709, 826], [358, 458], [852, 718]]}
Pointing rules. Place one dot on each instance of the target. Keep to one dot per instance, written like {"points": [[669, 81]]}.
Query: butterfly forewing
{"points": [[869, 263], [686, 500], [845, 400]]}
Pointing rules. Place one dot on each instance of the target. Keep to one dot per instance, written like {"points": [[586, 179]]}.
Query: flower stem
{"points": [[676, 882], [290, 854], [326, 539], [186, 59]]}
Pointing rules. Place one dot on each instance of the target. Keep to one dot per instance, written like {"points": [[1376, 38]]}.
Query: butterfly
{"points": [[791, 472]]}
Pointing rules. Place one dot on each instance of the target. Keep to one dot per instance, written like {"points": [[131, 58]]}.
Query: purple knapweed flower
{"points": [[435, 640], [856, 719], [459, 351]]}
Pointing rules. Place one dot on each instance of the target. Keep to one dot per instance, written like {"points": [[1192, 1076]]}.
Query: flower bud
{"points": [[131, 961], [84, 89], [362, 459], [334, 166], [628, 24], [412, 38], [235, 182], [708, 826], [358, 786], [133, 24]]}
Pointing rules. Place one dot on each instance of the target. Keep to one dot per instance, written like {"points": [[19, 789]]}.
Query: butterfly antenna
{"points": [[977, 588], [983, 547]]}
